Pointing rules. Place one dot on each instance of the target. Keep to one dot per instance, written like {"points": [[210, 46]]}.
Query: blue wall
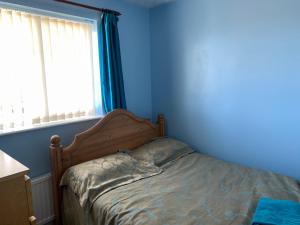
{"points": [[227, 76], [225, 73], [31, 147]]}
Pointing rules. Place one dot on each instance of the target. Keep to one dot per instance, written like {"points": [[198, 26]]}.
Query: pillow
{"points": [[94, 178], [161, 151]]}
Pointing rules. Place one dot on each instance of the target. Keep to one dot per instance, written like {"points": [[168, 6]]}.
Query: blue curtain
{"points": [[112, 85]]}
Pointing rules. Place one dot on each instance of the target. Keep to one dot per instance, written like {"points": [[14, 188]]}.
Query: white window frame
{"points": [[96, 67]]}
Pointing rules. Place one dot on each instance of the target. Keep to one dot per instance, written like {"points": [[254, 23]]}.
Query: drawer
{"points": [[13, 202], [15, 193]]}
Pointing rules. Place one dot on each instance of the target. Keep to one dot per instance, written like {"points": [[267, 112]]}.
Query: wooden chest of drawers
{"points": [[15, 193]]}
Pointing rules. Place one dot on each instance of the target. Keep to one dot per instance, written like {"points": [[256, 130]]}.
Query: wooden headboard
{"points": [[119, 129]]}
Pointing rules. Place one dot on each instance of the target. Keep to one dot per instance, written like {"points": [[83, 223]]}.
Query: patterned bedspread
{"points": [[195, 189]]}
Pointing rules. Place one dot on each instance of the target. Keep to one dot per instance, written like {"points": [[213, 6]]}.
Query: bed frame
{"points": [[119, 129]]}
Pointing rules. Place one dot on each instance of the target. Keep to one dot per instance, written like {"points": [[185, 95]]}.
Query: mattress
{"points": [[194, 189]]}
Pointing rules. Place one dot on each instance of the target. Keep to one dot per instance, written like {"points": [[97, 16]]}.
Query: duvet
{"points": [[190, 189]]}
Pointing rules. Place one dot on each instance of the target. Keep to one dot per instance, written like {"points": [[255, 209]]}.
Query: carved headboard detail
{"points": [[119, 129]]}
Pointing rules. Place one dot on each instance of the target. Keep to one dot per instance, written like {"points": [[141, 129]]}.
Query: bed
{"points": [[124, 170]]}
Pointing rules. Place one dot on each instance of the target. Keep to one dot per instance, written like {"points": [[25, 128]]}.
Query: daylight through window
{"points": [[46, 69]]}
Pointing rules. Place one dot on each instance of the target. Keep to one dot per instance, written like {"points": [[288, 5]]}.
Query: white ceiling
{"points": [[150, 3]]}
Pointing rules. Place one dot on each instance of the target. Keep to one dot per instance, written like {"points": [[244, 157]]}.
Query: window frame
{"points": [[99, 113]]}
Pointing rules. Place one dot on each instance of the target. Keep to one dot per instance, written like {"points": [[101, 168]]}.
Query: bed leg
{"points": [[161, 125]]}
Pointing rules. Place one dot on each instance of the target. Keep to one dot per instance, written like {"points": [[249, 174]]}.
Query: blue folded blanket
{"points": [[276, 212]]}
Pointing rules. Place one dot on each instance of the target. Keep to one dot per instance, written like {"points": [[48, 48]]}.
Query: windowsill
{"points": [[50, 124]]}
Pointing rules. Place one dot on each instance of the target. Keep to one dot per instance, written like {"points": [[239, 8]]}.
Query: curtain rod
{"points": [[91, 7]]}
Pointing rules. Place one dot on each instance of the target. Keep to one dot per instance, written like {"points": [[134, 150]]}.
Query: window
{"points": [[47, 69]]}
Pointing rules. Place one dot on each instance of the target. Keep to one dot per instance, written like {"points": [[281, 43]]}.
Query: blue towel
{"points": [[276, 212]]}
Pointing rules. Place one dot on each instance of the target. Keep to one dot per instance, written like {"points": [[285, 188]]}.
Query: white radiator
{"points": [[43, 199]]}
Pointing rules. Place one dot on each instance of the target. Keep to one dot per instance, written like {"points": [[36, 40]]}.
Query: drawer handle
{"points": [[32, 220]]}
